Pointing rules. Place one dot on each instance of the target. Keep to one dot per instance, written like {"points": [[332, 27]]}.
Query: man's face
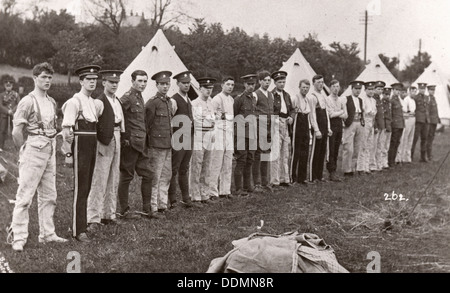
{"points": [[387, 93], [403, 94], [422, 91], [8, 86], [206, 91], [227, 87], [163, 87], [356, 91], [249, 87], [89, 83], [370, 92], [43, 81], [265, 83], [184, 86], [431, 92], [140, 83], [280, 84], [110, 86], [335, 89], [378, 90], [396, 92], [318, 84], [304, 89], [413, 92]]}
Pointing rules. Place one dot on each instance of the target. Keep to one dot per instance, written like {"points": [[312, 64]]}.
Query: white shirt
{"points": [[356, 102], [223, 103], [283, 103], [408, 106], [203, 113], [174, 103], [117, 109], [370, 106], [92, 109], [301, 104]]}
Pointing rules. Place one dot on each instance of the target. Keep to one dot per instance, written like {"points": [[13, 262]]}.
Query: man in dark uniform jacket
{"points": [[244, 108], [264, 110], [422, 120], [386, 101], [134, 152], [434, 120], [102, 199], [282, 107], [182, 152], [9, 100], [398, 123]]}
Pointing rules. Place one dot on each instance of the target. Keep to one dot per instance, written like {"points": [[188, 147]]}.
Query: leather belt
{"points": [[117, 124], [283, 115], [38, 134]]}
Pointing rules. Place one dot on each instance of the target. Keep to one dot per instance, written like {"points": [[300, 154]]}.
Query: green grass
{"points": [[350, 216]]}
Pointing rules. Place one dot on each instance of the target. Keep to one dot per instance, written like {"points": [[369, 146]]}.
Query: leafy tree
{"points": [[391, 64], [416, 67]]}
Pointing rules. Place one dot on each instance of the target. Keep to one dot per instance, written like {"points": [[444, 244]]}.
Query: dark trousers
{"points": [[300, 148], [420, 130], [393, 146], [84, 150], [430, 139], [244, 163], [260, 168], [319, 147], [132, 161], [334, 142], [180, 173], [4, 129]]}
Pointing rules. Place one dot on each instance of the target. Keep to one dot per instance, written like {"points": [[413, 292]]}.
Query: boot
{"points": [[423, 157], [334, 177]]}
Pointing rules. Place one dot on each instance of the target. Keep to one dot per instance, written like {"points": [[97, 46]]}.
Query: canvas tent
{"points": [[434, 76], [157, 56], [297, 68], [374, 71]]}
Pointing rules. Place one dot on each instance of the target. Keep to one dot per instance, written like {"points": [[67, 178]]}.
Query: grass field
{"points": [[352, 217]]}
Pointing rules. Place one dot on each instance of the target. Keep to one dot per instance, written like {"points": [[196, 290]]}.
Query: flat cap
{"points": [[277, 75], [162, 76], [397, 86], [431, 87], [380, 84], [91, 71], [370, 84], [207, 82], [249, 78], [422, 85], [357, 84], [111, 75], [184, 76]]}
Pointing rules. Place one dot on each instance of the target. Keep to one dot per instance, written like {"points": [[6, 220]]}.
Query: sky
{"points": [[395, 27]]}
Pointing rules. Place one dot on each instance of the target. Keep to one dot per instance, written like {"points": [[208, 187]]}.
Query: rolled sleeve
{"points": [[70, 112], [23, 112]]}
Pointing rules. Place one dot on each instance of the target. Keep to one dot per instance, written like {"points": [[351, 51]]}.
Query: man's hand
{"points": [[318, 134], [330, 132], [290, 120], [10, 112], [125, 143], [67, 134]]}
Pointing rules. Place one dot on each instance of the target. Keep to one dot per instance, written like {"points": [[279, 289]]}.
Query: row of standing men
{"points": [[174, 143]]}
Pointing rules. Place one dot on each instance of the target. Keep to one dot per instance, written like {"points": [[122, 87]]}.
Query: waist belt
{"points": [[117, 124], [87, 132], [283, 115], [357, 117], [39, 134]]}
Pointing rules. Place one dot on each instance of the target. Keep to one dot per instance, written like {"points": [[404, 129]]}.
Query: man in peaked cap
{"points": [[183, 142], [81, 114], [409, 108], [282, 107], [222, 155], [379, 129], [158, 114], [397, 123], [370, 110], [244, 112], [134, 151], [434, 120], [422, 120], [102, 199], [353, 129], [9, 99], [386, 101], [204, 123]]}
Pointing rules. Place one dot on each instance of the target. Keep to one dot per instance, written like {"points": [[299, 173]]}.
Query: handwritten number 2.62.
{"points": [[395, 196]]}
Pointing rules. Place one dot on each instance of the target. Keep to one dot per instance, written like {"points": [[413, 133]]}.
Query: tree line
{"points": [[206, 49]]}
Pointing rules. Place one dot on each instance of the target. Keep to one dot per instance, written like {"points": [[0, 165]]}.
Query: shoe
{"points": [[306, 182], [267, 188], [162, 211], [128, 215], [335, 178], [93, 227], [323, 180], [110, 222], [174, 205], [348, 174], [82, 237], [53, 238], [361, 173], [213, 199], [240, 192], [18, 246], [285, 184], [197, 204], [156, 215]]}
